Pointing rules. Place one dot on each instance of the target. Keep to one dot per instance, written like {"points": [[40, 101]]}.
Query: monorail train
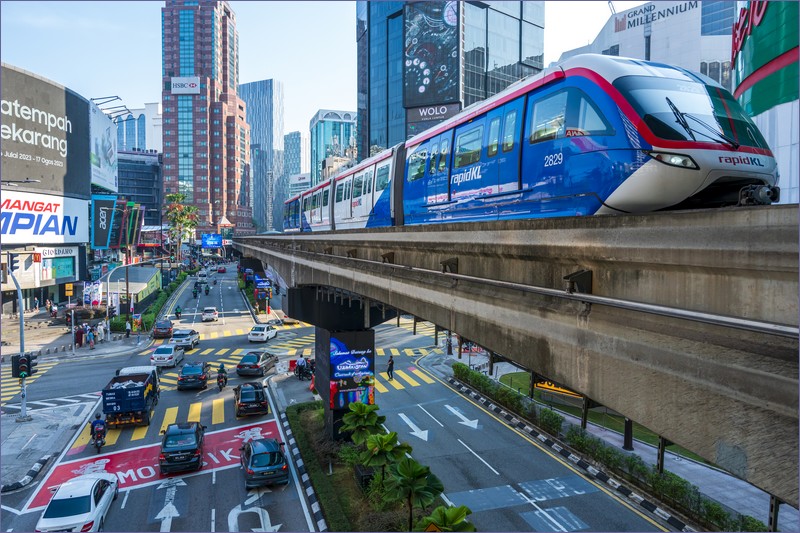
{"points": [[594, 135]]}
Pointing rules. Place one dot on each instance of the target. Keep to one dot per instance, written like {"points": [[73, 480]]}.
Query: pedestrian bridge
{"points": [[686, 323]]}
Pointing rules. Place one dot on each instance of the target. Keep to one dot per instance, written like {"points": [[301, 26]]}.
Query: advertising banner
{"points": [[102, 220], [352, 368], [43, 134], [185, 85], [117, 239], [27, 218], [212, 240], [92, 293], [431, 70], [103, 154]]}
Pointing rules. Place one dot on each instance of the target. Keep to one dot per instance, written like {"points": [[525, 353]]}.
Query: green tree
{"points": [[182, 218], [362, 421], [448, 519], [382, 450], [415, 484]]}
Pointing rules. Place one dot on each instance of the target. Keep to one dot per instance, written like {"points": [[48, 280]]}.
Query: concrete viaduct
{"points": [[686, 323]]}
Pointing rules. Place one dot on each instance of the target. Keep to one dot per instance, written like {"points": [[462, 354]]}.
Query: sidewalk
{"points": [[712, 482]]}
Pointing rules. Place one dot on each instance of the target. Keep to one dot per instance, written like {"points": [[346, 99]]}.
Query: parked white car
{"points": [[210, 313], [262, 333], [167, 355], [80, 504]]}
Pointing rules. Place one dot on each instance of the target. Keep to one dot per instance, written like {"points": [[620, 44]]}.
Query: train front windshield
{"points": [[707, 111]]}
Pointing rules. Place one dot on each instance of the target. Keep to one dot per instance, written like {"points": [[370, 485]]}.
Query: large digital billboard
{"points": [[352, 368], [431, 69], [103, 150], [27, 218], [45, 135], [103, 210], [212, 240]]}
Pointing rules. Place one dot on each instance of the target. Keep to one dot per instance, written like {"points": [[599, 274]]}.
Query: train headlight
{"points": [[675, 160]]}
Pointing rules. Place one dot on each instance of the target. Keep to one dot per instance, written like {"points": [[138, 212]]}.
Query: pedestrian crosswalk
{"points": [[16, 408], [12, 386], [295, 349]]}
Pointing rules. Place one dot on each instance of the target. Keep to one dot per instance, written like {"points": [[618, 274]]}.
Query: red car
{"points": [[221, 270]]}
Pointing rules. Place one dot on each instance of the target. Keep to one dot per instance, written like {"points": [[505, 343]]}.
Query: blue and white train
{"points": [[594, 135]]}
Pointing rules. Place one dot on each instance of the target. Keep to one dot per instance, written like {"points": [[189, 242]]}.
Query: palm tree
{"points": [[362, 421], [182, 218], [415, 484], [382, 450], [447, 519]]}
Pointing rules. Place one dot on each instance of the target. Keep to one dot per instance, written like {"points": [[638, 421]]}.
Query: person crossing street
{"points": [[390, 367]]}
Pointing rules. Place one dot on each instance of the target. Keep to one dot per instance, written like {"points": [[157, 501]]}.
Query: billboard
{"points": [[185, 85], [28, 218], [351, 368], [103, 154], [102, 220], [212, 240], [45, 135], [432, 58], [419, 119]]}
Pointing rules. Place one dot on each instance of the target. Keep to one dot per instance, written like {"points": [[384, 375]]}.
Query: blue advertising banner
{"points": [[212, 240], [103, 209], [352, 368]]}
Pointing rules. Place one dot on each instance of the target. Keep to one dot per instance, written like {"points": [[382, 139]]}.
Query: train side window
{"points": [[509, 131], [434, 155], [416, 164], [325, 198], [339, 192], [587, 120], [368, 181], [382, 179], [494, 137], [445, 146], [468, 147], [347, 189], [548, 118], [358, 184]]}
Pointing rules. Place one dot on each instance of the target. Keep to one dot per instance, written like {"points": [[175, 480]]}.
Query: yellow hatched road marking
{"points": [[421, 375], [194, 412], [190, 352], [409, 351], [112, 435], [422, 351], [202, 336], [291, 351], [144, 352], [139, 432], [84, 438], [157, 341], [223, 351], [214, 335], [218, 411], [392, 382], [379, 387], [307, 352], [227, 333], [380, 351], [406, 377], [169, 380], [170, 415], [240, 332], [207, 351], [237, 351], [394, 351]]}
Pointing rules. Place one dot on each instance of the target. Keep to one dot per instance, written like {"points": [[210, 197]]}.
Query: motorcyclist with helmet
{"points": [[178, 312], [222, 373], [97, 424]]}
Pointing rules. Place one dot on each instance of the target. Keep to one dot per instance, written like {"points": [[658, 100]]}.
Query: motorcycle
{"points": [[99, 437], [195, 293], [178, 315], [303, 372], [215, 282], [222, 380], [207, 289]]}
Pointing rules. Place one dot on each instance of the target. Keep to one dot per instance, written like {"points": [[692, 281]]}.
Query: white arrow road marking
{"points": [[471, 423], [263, 517], [169, 511], [253, 495], [414, 429]]}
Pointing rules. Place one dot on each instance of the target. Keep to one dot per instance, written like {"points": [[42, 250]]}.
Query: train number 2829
{"points": [[552, 160]]}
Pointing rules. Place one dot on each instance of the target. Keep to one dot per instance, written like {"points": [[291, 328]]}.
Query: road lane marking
{"points": [[479, 457], [379, 387], [223, 351], [140, 432], [422, 375], [394, 383], [203, 336], [237, 351], [394, 351], [380, 351], [240, 332], [112, 435], [207, 351], [194, 412], [410, 352], [218, 411], [170, 416], [227, 333], [411, 381]]}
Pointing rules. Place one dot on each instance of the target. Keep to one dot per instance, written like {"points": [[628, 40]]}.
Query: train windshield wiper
{"points": [[681, 118], [720, 136]]}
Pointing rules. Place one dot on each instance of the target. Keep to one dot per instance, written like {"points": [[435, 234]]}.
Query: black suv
{"points": [[181, 448], [263, 463], [194, 375], [250, 399], [256, 363]]}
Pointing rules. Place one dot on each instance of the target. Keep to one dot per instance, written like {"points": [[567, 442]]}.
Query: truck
{"points": [[130, 396]]}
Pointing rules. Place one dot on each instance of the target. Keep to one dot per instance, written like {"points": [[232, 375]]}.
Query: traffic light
{"points": [[32, 363], [23, 366], [13, 262], [112, 312], [14, 366]]}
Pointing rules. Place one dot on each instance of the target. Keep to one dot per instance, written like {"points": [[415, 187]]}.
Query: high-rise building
{"points": [[264, 101], [420, 63], [333, 133], [140, 181], [296, 153], [140, 129], [206, 135]]}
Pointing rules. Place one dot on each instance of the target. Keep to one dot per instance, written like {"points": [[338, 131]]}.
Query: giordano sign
{"points": [[765, 55]]}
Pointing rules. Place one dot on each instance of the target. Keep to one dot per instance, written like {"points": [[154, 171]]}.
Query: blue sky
{"points": [[110, 48]]}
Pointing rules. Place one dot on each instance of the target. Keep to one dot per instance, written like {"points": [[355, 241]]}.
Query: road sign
{"points": [[68, 289]]}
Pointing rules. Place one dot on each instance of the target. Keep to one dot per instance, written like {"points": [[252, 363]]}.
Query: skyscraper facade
{"points": [[420, 63], [140, 129], [264, 101], [333, 134], [205, 132], [296, 153]]}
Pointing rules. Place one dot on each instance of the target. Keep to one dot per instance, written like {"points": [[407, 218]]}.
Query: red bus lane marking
{"points": [[139, 466]]}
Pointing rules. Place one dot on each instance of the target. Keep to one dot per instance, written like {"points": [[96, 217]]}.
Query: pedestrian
{"points": [[35, 304], [128, 329], [90, 338], [48, 305], [390, 367], [78, 336], [100, 332]]}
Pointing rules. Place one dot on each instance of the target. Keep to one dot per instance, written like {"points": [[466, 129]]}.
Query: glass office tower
{"points": [[333, 134]]}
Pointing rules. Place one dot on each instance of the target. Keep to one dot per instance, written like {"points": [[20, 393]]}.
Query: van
{"points": [[202, 275]]}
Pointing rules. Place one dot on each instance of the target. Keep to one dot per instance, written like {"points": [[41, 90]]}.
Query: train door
{"points": [[325, 209], [382, 193], [341, 206], [508, 156], [362, 203], [437, 178], [491, 153], [415, 190]]}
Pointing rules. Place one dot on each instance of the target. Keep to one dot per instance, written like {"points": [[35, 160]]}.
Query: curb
{"points": [[32, 473], [308, 489], [565, 452], [250, 307]]}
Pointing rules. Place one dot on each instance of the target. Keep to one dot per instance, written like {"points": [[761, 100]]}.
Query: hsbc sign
{"points": [[190, 85]]}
